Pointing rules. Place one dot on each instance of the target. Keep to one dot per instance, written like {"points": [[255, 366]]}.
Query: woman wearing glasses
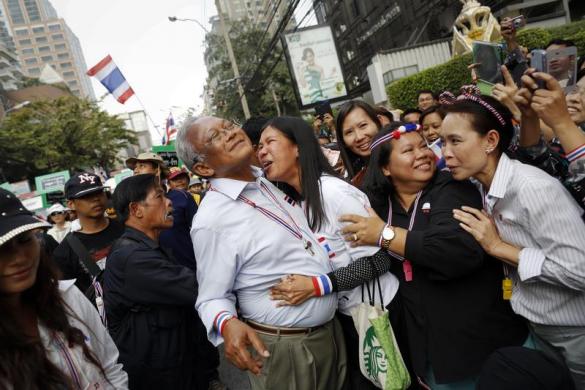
{"points": [[58, 217]]}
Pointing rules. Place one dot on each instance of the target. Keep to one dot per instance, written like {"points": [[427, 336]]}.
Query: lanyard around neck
{"points": [[412, 218], [290, 225]]}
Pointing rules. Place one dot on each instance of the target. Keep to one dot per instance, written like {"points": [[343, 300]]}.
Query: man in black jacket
{"points": [[149, 298]]}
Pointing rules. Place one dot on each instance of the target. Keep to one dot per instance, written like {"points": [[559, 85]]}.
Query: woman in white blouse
{"points": [[529, 221], [290, 156], [51, 335]]}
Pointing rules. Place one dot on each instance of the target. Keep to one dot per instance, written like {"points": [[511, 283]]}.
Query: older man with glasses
{"points": [[246, 238]]}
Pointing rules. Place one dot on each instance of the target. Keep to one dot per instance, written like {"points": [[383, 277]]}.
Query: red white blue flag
{"points": [[108, 73], [171, 130]]}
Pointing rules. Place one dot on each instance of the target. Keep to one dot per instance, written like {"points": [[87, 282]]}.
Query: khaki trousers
{"points": [[312, 361]]}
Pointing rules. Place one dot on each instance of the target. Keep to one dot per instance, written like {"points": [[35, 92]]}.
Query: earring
{"points": [[488, 151]]}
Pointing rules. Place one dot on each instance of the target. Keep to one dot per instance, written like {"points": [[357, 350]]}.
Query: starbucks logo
{"points": [[374, 356]]}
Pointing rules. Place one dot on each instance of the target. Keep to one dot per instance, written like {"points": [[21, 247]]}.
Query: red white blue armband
{"points": [[221, 319], [322, 285]]}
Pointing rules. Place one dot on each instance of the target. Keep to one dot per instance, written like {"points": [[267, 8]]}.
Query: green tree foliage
{"points": [[63, 134], [454, 73], [248, 48]]}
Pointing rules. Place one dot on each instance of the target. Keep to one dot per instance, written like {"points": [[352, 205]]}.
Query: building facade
{"points": [[41, 38], [363, 29], [264, 15], [10, 70], [136, 121]]}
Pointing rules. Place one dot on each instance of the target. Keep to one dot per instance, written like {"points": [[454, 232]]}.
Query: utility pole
{"points": [[275, 98], [232, 58]]}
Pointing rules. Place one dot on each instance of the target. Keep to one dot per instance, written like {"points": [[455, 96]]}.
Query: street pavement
{"points": [[230, 375]]}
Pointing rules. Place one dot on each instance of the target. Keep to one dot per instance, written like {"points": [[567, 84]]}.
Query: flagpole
{"points": [[147, 114]]}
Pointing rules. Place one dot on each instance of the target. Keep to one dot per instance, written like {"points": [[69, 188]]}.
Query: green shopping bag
{"points": [[380, 359]]}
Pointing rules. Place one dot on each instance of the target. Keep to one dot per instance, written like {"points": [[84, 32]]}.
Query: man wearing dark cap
{"points": [[85, 195]]}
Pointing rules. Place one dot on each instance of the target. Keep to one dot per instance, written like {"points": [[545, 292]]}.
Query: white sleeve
{"points": [[216, 258], [100, 341], [554, 220], [353, 203]]}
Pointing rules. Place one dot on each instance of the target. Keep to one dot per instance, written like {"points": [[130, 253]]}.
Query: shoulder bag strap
{"points": [[84, 257]]}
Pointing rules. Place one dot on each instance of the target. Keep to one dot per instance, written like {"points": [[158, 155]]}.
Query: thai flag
{"points": [[108, 73], [436, 148], [325, 245], [171, 130]]}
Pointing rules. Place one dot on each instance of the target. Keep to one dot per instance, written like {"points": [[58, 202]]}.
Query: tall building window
{"points": [[22, 32], [63, 56], [34, 71], [69, 73], [66, 65], [38, 30], [15, 12], [44, 49], [32, 10], [57, 37], [24, 42], [28, 50], [30, 61], [47, 58], [41, 39], [60, 46], [54, 27]]}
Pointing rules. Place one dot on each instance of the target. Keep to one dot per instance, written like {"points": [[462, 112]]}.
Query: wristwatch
{"points": [[386, 237]]}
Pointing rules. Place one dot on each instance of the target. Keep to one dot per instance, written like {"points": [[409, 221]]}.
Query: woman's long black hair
{"points": [[312, 164], [352, 162], [23, 359]]}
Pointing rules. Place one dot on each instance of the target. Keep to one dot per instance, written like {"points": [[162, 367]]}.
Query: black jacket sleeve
{"points": [[152, 279], [444, 247], [360, 271]]}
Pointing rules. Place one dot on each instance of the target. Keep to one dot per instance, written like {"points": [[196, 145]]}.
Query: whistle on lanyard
{"points": [[507, 289]]}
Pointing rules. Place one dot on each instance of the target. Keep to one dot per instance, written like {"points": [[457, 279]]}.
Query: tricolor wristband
{"points": [[322, 285], [221, 319], [576, 153]]}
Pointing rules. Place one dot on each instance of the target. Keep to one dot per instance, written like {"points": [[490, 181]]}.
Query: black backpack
{"points": [[94, 292]]}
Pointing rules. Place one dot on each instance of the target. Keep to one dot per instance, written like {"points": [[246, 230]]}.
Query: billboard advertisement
{"points": [[314, 65]]}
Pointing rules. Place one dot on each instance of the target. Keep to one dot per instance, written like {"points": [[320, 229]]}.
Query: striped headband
{"points": [[447, 98], [407, 128]]}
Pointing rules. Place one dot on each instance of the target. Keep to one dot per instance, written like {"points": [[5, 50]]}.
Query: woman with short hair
{"points": [[528, 220]]}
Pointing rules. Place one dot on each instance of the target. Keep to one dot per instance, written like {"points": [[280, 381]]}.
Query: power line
{"points": [[285, 20], [248, 88]]}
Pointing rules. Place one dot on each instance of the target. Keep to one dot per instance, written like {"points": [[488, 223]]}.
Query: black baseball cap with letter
{"points": [[83, 184]]}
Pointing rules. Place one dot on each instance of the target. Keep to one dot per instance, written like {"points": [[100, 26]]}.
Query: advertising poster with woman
{"points": [[315, 65]]}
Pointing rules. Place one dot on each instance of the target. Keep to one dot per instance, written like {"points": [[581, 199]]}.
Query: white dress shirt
{"points": [[340, 197], [533, 211], [242, 253]]}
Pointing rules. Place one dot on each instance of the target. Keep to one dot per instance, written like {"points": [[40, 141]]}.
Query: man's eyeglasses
{"points": [[217, 135]]}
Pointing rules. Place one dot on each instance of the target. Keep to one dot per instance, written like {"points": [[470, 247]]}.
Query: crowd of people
{"points": [[464, 215]]}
